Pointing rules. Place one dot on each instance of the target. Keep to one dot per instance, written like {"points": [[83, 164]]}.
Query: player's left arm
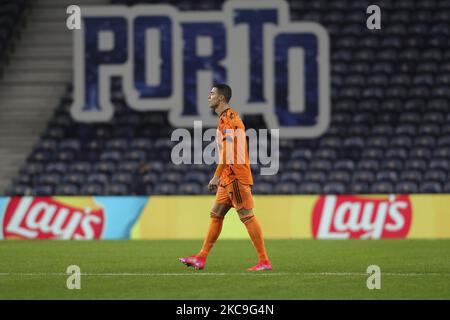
{"points": [[227, 138]]}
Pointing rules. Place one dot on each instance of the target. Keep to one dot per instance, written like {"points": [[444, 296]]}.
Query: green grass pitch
{"points": [[303, 269]]}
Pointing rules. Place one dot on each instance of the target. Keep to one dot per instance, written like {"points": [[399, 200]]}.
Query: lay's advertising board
{"points": [[187, 217], [69, 218]]}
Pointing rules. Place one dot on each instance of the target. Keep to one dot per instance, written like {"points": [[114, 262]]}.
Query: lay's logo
{"points": [[346, 217], [53, 218]]}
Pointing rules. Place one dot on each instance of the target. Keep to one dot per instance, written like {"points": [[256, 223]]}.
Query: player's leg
{"points": [[217, 214], [243, 202]]}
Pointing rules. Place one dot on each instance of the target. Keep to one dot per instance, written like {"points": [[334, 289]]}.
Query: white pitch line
{"points": [[200, 273]]}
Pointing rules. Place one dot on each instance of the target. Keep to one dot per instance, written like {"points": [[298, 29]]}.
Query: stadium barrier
{"points": [[187, 217]]}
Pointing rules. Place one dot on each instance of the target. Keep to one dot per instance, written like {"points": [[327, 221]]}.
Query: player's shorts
{"points": [[235, 195]]}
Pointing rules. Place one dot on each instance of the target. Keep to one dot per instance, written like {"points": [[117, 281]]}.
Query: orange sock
{"points": [[255, 232], [215, 226]]}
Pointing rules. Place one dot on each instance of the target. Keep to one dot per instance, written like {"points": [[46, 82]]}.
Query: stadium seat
{"points": [[322, 165], [310, 188], [411, 175], [190, 188], [122, 178], [382, 187], [339, 176], [117, 189], [334, 188], [406, 187], [294, 177], [165, 188], [389, 125], [98, 178], [359, 188], [91, 189], [430, 187], [262, 188], [67, 189], [42, 190], [74, 178], [56, 167], [315, 176]]}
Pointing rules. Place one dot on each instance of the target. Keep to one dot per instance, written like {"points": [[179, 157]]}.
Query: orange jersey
{"points": [[232, 140]]}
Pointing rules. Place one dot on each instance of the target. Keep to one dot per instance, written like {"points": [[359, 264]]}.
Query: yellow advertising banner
{"points": [[307, 217]]}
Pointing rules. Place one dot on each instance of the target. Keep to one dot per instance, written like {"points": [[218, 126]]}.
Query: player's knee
{"points": [[246, 217], [215, 215]]}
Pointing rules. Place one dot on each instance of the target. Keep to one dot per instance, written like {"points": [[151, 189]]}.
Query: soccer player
{"points": [[232, 182]]}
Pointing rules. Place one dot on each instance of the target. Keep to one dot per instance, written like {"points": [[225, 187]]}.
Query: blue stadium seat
{"points": [[66, 156], [70, 144], [42, 190], [323, 165], [406, 187], [98, 178], [373, 153], [396, 153], [436, 175], [430, 187], [92, 189], [196, 176], [131, 166], [117, 189], [447, 188], [122, 178], [416, 164], [382, 187], [392, 164], [315, 176], [443, 164], [165, 188], [310, 188], [369, 164], [406, 129], [411, 175], [294, 177], [425, 141], [442, 152], [420, 153], [49, 179], [17, 190], [23, 179], [359, 188], [81, 167], [114, 156], [174, 177], [387, 175], [364, 176], [339, 176], [56, 167], [190, 188], [334, 188], [401, 141], [67, 189], [105, 167], [344, 164], [262, 188], [74, 178], [302, 154]]}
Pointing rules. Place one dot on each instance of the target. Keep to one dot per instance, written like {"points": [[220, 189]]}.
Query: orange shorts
{"points": [[235, 195]]}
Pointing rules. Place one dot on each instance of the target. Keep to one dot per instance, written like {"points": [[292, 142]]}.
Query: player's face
{"points": [[213, 98]]}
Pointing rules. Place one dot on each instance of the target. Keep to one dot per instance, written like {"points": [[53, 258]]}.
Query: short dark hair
{"points": [[224, 90]]}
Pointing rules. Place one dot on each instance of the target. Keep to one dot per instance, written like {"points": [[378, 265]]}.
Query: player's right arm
{"points": [[214, 182]]}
